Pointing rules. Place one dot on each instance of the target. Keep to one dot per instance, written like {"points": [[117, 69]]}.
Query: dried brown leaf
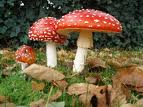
{"points": [[119, 93], [96, 64], [39, 103], [4, 99], [55, 96], [7, 55], [114, 63], [132, 76], [62, 84], [140, 102], [129, 105], [65, 55], [85, 99], [98, 98], [43, 73], [7, 105], [121, 62], [93, 79], [7, 71], [37, 86], [80, 88]]}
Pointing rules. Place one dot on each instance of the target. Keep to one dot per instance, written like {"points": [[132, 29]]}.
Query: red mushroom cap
{"points": [[45, 30], [88, 19], [25, 54]]}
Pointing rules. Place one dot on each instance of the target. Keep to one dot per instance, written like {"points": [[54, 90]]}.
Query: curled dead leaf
{"points": [[7, 55], [39, 103], [7, 105], [114, 63], [98, 98], [4, 99], [7, 71], [85, 99], [96, 64], [61, 84], [140, 102], [55, 96], [80, 88], [64, 55], [119, 93], [93, 79], [37, 86], [43, 73], [132, 77], [129, 105], [121, 62]]}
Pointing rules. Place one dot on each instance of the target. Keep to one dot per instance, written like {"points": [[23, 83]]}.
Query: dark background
{"points": [[15, 19]]}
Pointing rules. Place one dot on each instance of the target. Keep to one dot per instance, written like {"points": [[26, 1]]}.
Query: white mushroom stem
{"points": [[80, 59], [51, 54], [84, 42], [23, 65]]}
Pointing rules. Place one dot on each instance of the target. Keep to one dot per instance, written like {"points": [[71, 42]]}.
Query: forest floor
{"points": [[101, 68]]}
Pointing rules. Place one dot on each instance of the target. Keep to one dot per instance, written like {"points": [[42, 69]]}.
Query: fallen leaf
{"points": [[85, 99], [93, 79], [129, 105], [140, 102], [56, 104], [37, 86], [55, 96], [100, 97], [96, 64], [65, 55], [119, 93], [4, 99], [43, 73], [61, 84], [7, 55], [114, 63], [132, 77], [7, 105], [80, 88], [121, 62], [39, 103], [7, 71]]}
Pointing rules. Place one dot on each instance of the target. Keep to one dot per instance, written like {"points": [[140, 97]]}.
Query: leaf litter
{"points": [[128, 73], [43, 73]]}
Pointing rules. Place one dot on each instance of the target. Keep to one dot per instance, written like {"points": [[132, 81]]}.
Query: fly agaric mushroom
{"points": [[25, 55], [85, 22], [45, 30]]}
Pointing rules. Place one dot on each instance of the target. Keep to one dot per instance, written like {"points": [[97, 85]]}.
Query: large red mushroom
{"points": [[85, 22], [45, 30], [25, 55]]}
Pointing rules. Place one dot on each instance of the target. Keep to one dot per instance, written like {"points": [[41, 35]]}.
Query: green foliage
{"points": [[19, 90], [16, 17]]}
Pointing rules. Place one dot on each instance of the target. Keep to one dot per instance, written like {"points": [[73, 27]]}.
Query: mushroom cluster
{"points": [[25, 55], [45, 30], [85, 22]]}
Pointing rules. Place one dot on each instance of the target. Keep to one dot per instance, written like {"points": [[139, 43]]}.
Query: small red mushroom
{"points": [[25, 55], [85, 22], [45, 30]]}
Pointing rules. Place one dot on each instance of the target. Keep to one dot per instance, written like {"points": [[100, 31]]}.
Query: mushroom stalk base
{"points": [[85, 39], [24, 65], [80, 59], [51, 54]]}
